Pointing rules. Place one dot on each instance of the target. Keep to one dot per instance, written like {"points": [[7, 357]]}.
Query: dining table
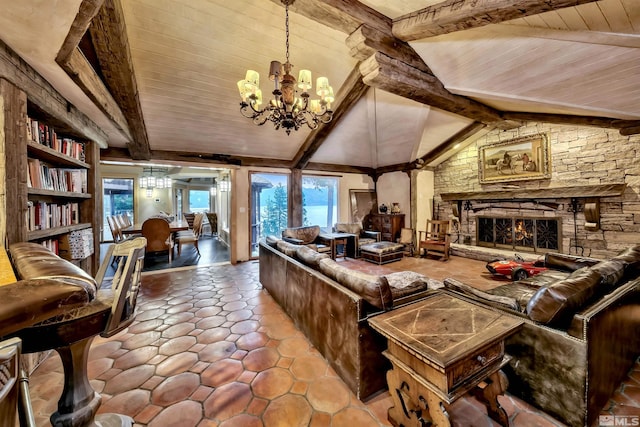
{"points": [[173, 227]]}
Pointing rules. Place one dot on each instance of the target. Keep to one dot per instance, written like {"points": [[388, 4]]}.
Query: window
{"points": [[268, 206], [199, 201], [320, 201]]}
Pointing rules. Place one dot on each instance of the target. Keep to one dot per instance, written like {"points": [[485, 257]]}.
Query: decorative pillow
{"points": [[373, 289], [404, 283], [556, 304], [310, 257]]}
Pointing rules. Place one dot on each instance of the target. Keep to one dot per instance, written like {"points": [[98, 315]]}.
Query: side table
{"points": [[441, 348]]}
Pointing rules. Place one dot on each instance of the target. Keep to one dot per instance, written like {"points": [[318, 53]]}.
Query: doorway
{"points": [[117, 199]]}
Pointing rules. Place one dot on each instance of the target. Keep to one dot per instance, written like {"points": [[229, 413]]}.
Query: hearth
{"points": [[519, 233]]}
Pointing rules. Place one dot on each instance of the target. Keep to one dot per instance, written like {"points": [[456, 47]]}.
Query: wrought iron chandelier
{"points": [[285, 109]]}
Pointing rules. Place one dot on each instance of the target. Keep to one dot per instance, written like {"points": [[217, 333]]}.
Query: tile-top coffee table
{"points": [[441, 348]]}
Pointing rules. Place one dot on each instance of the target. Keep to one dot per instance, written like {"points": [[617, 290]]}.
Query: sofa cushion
{"points": [[481, 296], [557, 303], [611, 271], [287, 248], [348, 227], [373, 289], [405, 283], [631, 258], [272, 240], [567, 262], [310, 257]]}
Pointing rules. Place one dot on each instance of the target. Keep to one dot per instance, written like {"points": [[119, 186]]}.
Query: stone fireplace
{"points": [[519, 233]]}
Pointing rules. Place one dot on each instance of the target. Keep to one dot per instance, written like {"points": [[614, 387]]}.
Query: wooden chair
{"points": [[189, 217], [14, 386], [407, 238], [213, 222], [116, 232], [158, 235], [191, 236], [436, 238]]}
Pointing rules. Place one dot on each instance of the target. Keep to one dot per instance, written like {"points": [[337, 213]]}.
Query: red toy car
{"points": [[517, 268]]}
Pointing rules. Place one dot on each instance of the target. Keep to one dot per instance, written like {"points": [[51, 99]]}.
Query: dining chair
{"points": [[191, 236], [158, 235], [435, 238], [116, 231], [15, 402], [213, 222]]}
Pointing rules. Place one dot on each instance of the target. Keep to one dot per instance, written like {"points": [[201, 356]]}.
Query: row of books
{"points": [[52, 244], [43, 215], [43, 176], [44, 134]]}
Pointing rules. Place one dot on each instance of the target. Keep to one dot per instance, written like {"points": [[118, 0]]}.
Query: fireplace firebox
{"points": [[519, 233]]}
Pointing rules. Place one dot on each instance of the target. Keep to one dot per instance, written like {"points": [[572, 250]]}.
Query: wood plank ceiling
{"points": [[416, 76]]}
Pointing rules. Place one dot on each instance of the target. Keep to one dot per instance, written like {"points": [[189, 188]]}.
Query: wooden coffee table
{"points": [[441, 348]]}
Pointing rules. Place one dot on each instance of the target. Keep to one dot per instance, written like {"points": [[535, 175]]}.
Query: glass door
{"points": [[117, 199], [268, 206]]}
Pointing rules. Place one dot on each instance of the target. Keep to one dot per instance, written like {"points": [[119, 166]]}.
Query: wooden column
{"points": [[14, 113], [295, 198]]}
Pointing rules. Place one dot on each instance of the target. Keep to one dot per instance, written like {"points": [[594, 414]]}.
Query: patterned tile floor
{"points": [[209, 347]]}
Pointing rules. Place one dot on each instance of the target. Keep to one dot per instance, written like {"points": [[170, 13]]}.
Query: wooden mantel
{"points": [[577, 191]]}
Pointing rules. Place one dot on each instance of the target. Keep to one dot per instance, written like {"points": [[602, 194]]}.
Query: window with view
{"points": [[320, 201], [268, 206], [199, 201]]}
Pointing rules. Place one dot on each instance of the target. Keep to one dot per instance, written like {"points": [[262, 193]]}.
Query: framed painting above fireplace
{"points": [[517, 159]]}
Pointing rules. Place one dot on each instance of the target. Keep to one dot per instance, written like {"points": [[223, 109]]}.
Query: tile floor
{"points": [[209, 347]]}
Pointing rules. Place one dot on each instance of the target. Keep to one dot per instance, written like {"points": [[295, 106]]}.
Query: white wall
{"points": [[395, 187], [424, 198]]}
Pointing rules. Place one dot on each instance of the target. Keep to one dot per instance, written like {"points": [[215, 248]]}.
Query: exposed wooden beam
{"points": [[456, 15], [366, 41], [108, 33], [121, 154], [81, 72], [458, 138], [393, 75], [341, 15], [626, 127], [329, 167], [17, 71], [87, 11], [350, 92]]}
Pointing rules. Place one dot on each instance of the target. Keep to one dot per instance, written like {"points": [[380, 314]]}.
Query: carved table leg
{"points": [[494, 386], [437, 410]]}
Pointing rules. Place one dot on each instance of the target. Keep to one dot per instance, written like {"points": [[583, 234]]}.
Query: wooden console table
{"points": [[441, 348]]}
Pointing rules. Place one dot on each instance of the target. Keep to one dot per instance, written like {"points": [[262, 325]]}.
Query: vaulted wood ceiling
{"points": [[416, 77]]}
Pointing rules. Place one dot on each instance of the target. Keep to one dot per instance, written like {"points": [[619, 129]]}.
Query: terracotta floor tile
{"points": [[210, 347]]}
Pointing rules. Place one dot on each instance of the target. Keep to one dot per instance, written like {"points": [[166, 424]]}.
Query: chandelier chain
{"points": [[286, 25]]}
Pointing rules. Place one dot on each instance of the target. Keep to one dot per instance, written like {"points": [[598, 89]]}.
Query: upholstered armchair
{"points": [[363, 237], [307, 236]]}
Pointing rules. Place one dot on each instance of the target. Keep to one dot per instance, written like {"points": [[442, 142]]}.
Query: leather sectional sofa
{"points": [[580, 335], [330, 304]]}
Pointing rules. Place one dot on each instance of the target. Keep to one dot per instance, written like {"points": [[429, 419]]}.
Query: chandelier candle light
{"points": [[285, 109]]}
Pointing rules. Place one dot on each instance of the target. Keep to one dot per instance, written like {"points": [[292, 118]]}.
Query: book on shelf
{"points": [[41, 175], [43, 215], [46, 135]]}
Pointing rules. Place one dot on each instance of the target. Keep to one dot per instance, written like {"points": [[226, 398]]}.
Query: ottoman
{"points": [[382, 252]]}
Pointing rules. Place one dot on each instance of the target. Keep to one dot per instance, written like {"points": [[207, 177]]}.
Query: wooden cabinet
{"points": [[389, 225], [51, 181]]}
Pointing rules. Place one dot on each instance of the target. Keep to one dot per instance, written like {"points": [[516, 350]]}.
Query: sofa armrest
{"points": [[619, 296]]}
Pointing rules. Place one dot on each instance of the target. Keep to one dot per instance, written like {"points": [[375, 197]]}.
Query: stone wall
{"points": [[579, 156]]}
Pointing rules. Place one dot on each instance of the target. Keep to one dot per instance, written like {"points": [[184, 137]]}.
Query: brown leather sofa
{"points": [[580, 335], [330, 304]]}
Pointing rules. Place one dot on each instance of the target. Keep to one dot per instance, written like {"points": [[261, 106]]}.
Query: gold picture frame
{"points": [[518, 159]]}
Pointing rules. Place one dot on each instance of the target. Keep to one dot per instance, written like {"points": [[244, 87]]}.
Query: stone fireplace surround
{"points": [[554, 203]]}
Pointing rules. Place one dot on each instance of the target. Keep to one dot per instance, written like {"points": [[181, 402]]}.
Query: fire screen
{"points": [[519, 233]]}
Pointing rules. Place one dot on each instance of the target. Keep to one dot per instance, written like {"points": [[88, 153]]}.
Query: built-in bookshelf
{"points": [[57, 185]]}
